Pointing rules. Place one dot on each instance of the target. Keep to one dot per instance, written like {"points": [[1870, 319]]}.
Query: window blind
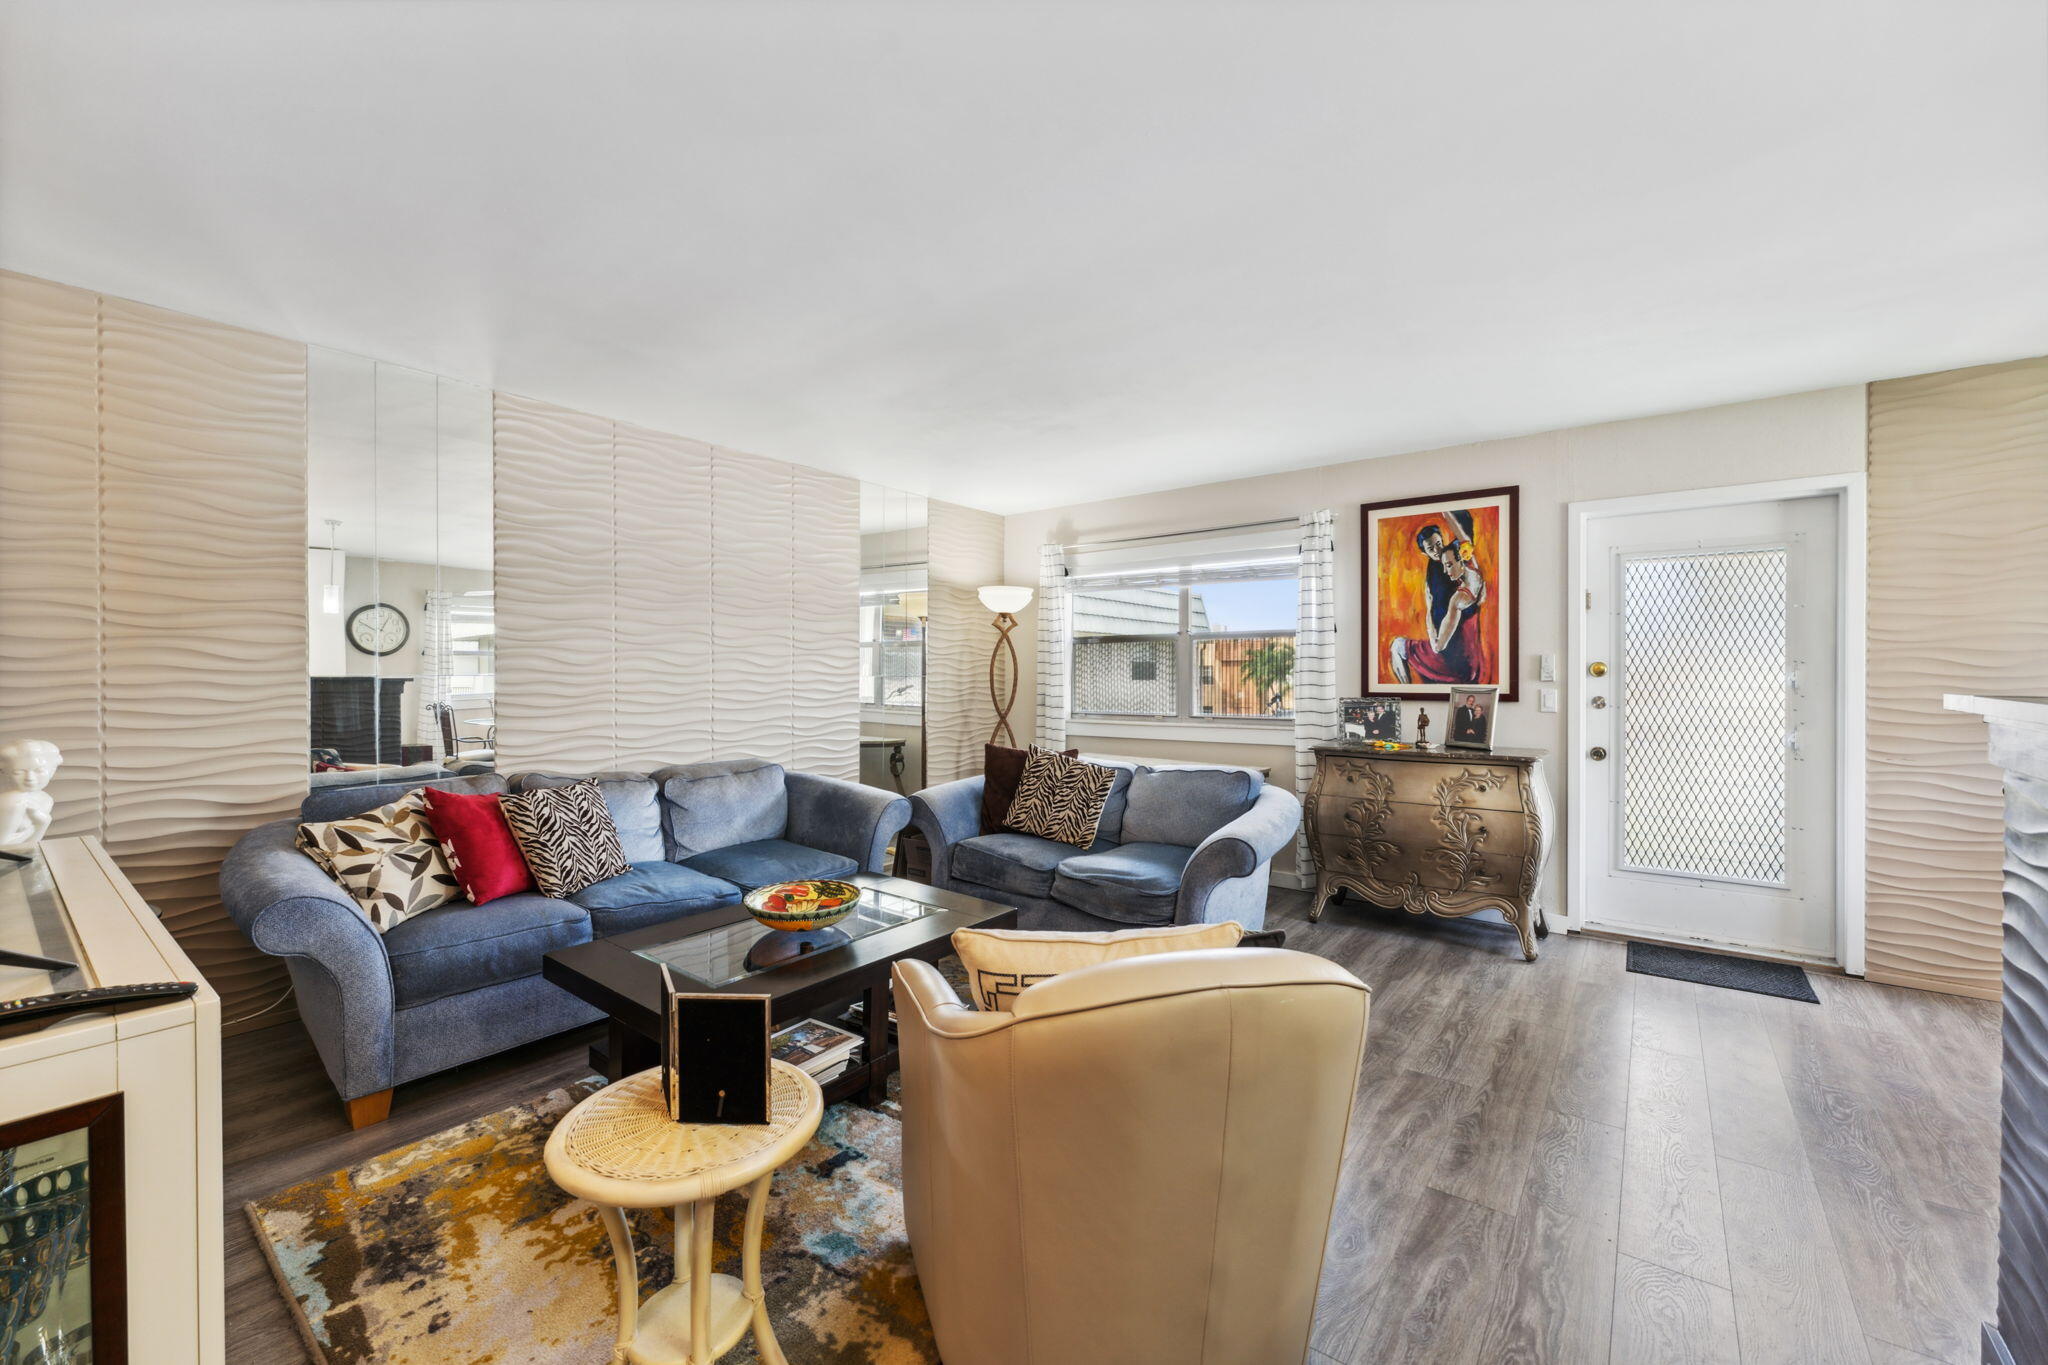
{"points": [[1240, 558]]}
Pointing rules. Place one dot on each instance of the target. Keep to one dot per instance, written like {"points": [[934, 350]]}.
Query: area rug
{"points": [[458, 1248]]}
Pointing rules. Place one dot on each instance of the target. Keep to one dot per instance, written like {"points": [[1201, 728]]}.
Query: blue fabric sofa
{"points": [[463, 981], [1175, 845]]}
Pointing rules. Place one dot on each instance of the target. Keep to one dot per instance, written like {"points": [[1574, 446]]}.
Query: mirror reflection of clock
{"points": [[378, 628]]}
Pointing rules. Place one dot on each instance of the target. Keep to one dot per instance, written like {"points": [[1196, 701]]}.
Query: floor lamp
{"points": [[1005, 602]]}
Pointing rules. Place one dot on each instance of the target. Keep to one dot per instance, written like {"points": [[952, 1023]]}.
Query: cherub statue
{"points": [[26, 767]]}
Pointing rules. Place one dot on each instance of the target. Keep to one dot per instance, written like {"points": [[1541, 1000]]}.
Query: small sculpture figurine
{"points": [[26, 767], [1421, 728]]}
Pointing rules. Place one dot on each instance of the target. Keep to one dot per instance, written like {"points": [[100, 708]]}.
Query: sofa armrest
{"points": [[1240, 850], [844, 817], [945, 815], [291, 909]]}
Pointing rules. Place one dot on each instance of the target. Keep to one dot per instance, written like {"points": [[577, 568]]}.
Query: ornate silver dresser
{"points": [[1440, 831]]}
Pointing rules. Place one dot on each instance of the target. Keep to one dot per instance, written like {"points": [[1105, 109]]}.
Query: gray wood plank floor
{"points": [[1548, 1162]]}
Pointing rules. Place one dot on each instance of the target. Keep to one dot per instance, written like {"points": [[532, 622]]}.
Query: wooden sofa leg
{"points": [[369, 1109]]}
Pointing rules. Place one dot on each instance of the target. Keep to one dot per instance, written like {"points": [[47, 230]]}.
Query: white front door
{"points": [[1708, 690]]}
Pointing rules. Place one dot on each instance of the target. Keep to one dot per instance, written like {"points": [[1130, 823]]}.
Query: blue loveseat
{"points": [[463, 981], [1176, 844]]}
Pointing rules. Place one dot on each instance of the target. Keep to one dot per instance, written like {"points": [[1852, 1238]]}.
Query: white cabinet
{"points": [[163, 1061]]}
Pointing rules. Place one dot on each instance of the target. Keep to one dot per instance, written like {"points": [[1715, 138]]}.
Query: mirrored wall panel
{"points": [[892, 637], [402, 641]]}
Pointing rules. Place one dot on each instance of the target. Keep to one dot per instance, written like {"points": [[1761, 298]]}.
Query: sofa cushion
{"points": [[1001, 963], [1131, 883], [717, 805], [388, 859], [1186, 805], [765, 861], [634, 800], [1002, 769], [651, 892], [1061, 798], [1011, 861], [567, 836], [480, 846], [1111, 827], [463, 947], [341, 803]]}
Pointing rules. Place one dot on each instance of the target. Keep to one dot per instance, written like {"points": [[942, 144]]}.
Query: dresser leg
{"points": [[1323, 893], [1522, 927]]}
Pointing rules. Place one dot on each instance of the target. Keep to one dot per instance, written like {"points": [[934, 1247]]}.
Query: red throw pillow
{"points": [[1001, 770], [479, 844]]}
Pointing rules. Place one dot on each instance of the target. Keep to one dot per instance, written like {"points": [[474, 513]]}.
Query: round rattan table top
{"points": [[620, 1147]]}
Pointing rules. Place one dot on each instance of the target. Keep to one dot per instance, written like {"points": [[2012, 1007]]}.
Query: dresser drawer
{"points": [[1445, 849], [1489, 786]]}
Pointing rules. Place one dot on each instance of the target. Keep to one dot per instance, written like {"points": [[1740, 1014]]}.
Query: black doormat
{"points": [[1781, 979]]}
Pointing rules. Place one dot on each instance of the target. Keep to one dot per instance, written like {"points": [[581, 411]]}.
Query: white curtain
{"points": [[1315, 662], [437, 666], [1055, 613]]}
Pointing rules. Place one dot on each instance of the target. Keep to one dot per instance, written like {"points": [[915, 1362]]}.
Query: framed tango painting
{"points": [[1441, 579]]}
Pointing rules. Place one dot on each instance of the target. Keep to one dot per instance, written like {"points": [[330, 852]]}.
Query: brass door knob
{"points": [[1597, 669], [1596, 753]]}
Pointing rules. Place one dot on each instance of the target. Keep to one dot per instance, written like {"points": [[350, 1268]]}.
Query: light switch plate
{"points": [[1546, 670], [1546, 699]]}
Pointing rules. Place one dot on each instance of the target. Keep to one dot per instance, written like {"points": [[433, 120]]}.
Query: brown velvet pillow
{"points": [[1002, 769]]}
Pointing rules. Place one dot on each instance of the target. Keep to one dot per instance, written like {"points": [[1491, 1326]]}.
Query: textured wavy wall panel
{"points": [[753, 583], [966, 554], [825, 610], [203, 615], [1958, 603], [661, 584], [661, 602], [2023, 1146], [49, 534], [553, 547]]}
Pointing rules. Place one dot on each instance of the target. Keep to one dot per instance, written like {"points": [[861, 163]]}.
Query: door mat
{"points": [[1781, 979]]}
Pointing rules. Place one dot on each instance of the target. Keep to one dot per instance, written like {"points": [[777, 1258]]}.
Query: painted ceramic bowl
{"points": [[802, 905]]}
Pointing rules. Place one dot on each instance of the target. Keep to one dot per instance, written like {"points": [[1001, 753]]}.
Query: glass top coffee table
{"points": [[810, 975]]}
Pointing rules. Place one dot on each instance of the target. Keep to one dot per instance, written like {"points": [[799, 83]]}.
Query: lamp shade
{"points": [[998, 598]]}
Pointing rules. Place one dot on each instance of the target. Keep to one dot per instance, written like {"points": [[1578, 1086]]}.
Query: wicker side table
{"points": [[619, 1150]]}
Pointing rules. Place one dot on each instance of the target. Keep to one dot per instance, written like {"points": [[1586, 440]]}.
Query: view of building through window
{"points": [[1210, 650], [892, 649]]}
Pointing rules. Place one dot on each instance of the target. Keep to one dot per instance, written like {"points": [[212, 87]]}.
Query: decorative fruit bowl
{"points": [[802, 905]]}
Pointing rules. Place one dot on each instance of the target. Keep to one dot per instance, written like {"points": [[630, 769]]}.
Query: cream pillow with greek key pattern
{"points": [[1001, 963]]}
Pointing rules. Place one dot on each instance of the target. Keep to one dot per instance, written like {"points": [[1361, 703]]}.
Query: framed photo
{"points": [[1442, 581], [1473, 710], [1370, 718]]}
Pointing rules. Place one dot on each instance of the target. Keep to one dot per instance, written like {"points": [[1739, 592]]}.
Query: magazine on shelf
{"points": [[818, 1049]]}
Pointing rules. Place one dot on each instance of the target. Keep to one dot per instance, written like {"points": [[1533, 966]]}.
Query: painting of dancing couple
{"points": [[1440, 587]]}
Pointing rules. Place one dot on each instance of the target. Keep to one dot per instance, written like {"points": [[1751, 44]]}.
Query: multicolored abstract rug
{"points": [[458, 1248]]}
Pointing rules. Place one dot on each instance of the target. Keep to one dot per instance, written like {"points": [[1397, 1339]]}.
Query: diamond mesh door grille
{"points": [[1704, 712]]}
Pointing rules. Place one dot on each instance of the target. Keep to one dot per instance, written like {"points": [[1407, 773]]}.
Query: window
{"points": [[472, 647], [892, 649], [1193, 641]]}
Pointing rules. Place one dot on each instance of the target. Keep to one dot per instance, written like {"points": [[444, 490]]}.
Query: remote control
{"points": [[93, 998]]}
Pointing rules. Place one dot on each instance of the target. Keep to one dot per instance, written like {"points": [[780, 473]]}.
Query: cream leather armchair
{"points": [[1137, 1166]]}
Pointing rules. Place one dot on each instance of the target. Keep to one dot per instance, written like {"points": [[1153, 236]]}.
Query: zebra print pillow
{"points": [[1060, 798], [567, 836]]}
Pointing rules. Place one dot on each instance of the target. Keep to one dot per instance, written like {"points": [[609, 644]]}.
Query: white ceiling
{"points": [[1022, 255]]}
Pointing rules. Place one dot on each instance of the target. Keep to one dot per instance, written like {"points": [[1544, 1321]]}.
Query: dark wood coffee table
{"points": [[724, 950]]}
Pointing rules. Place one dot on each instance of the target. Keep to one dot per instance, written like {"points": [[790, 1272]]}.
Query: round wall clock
{"points": [[378, 628]]}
